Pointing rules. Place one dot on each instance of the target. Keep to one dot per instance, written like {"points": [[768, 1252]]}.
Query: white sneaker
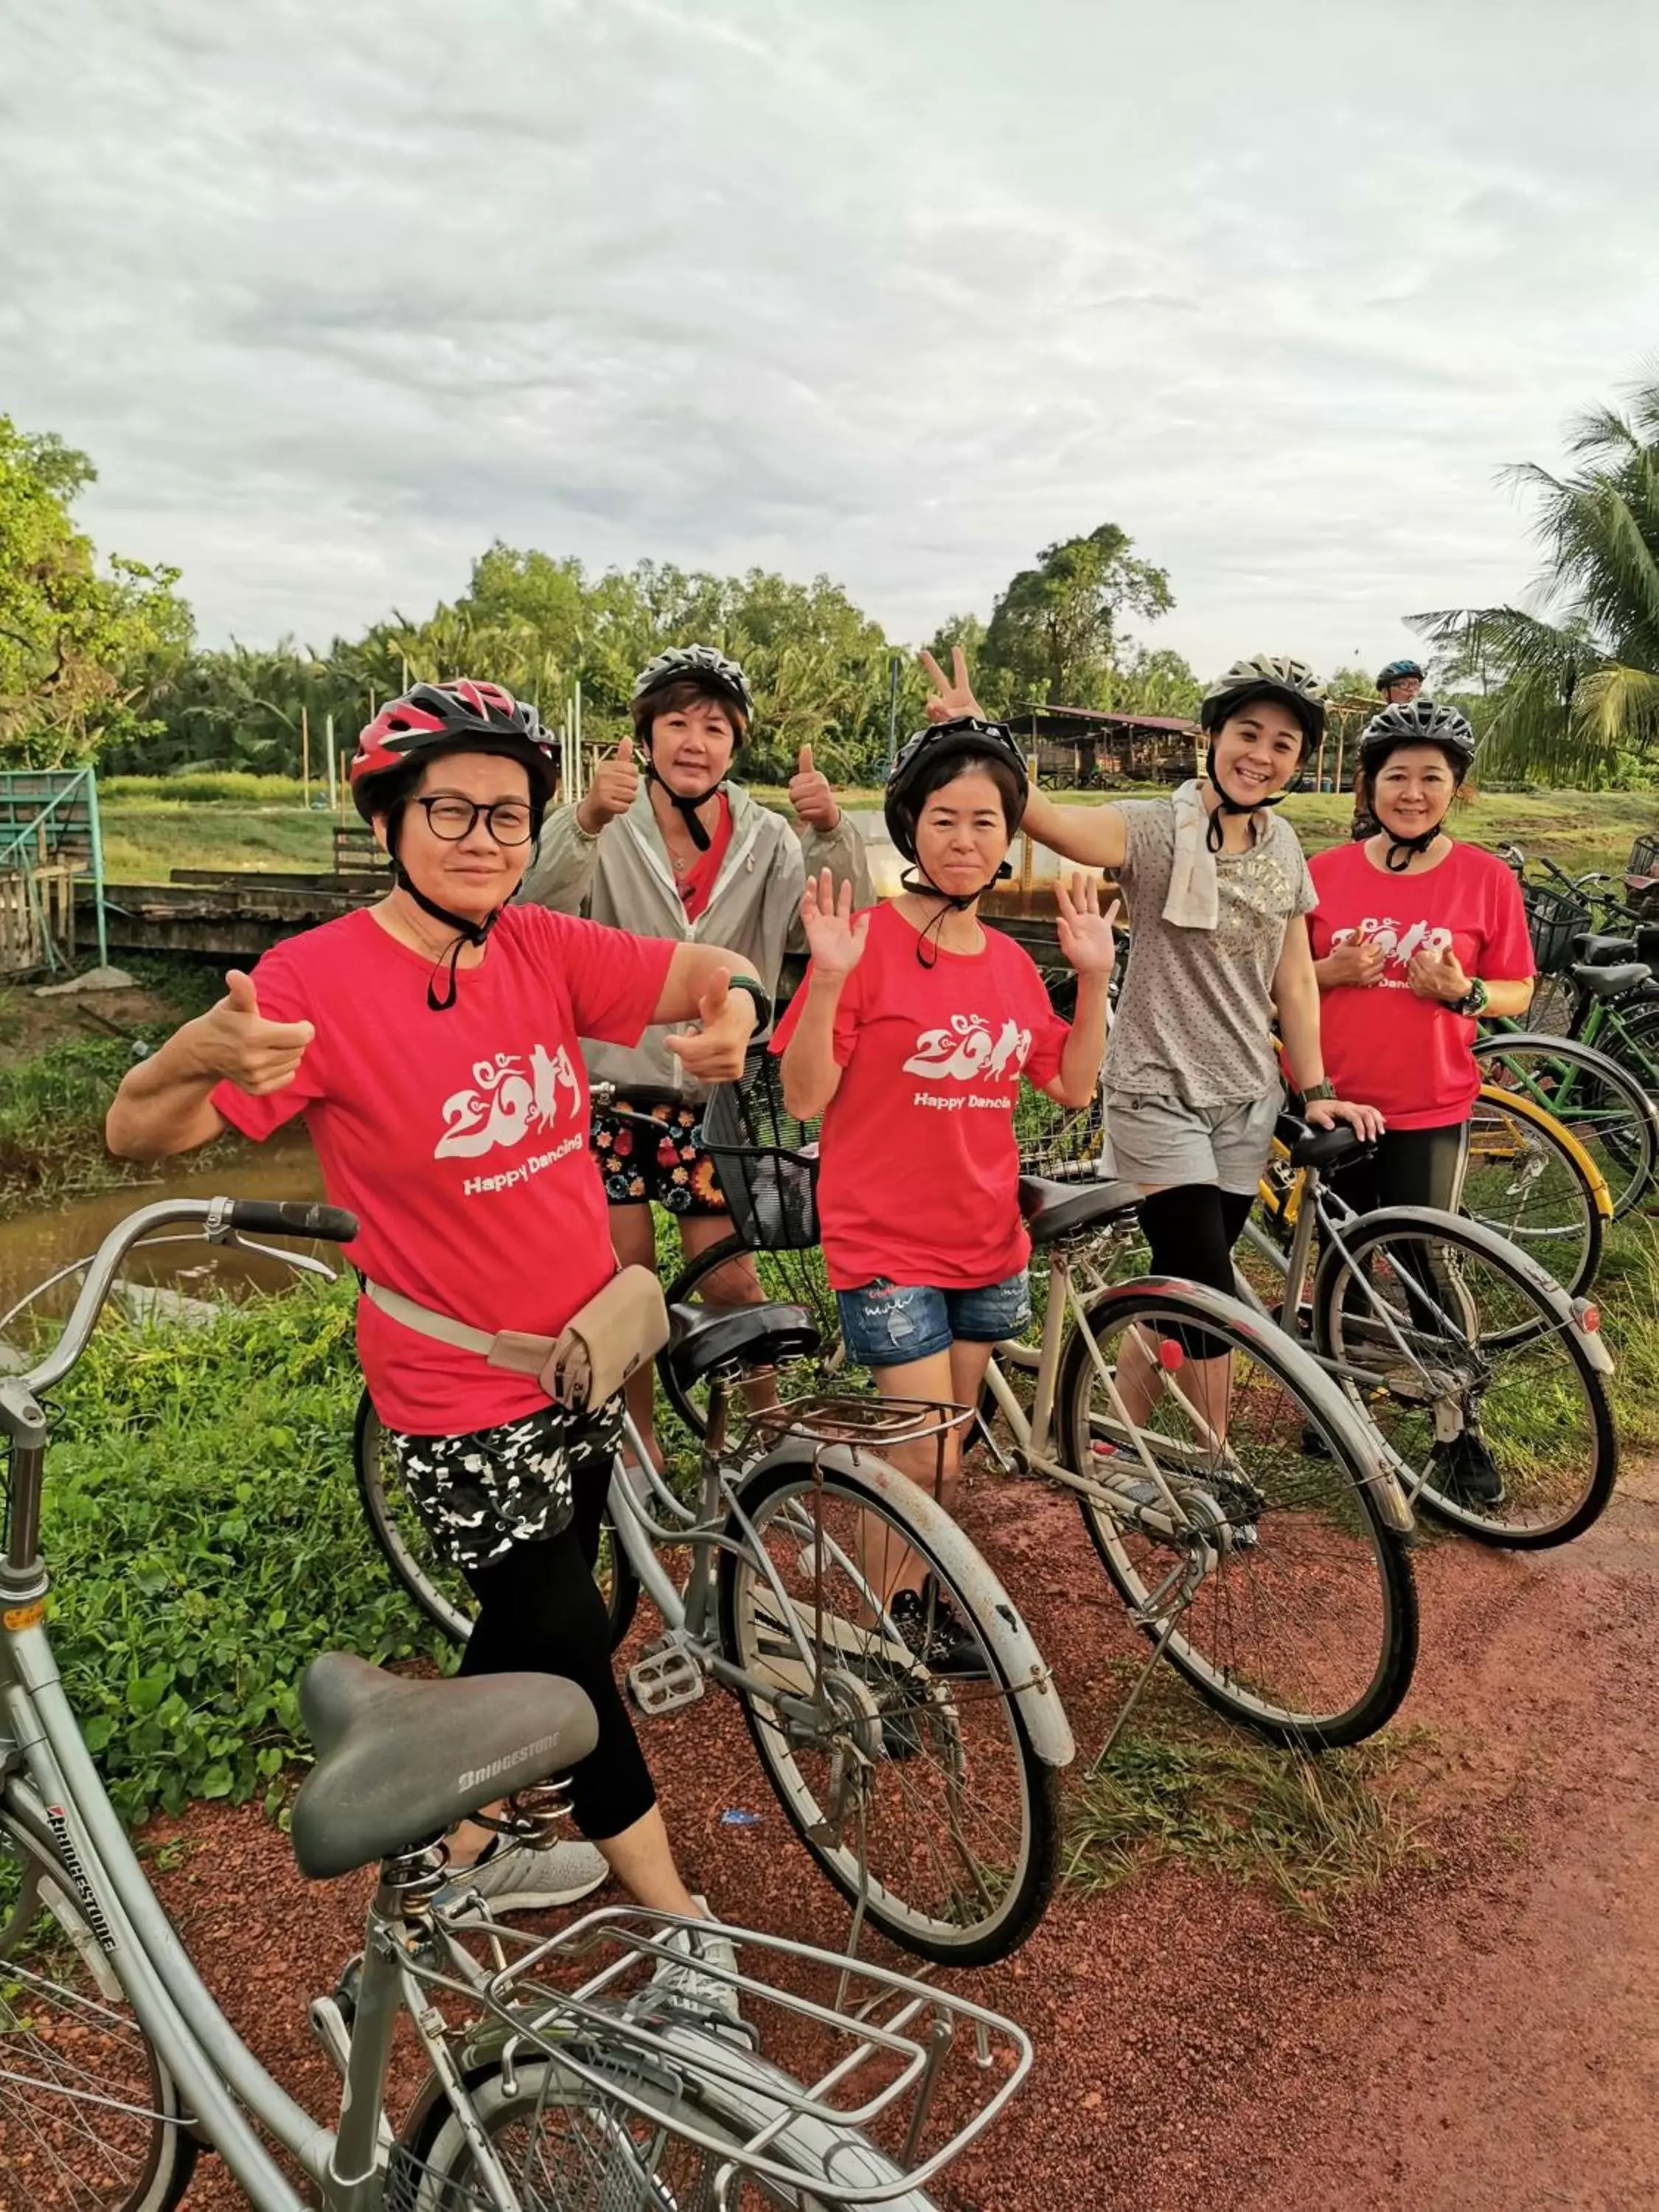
{"points": [[530, 1881], [697, 1978]]}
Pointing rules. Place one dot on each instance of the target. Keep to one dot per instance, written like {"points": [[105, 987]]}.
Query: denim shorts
{"points": [[885, 1324]]}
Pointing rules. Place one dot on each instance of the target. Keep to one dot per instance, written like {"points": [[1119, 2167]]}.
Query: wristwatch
{"points": [[1316, 1093], [1474, 1002], [762, 997]]}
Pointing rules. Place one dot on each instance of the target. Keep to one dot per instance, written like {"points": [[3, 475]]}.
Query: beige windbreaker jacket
{"points": [[622, 877]]}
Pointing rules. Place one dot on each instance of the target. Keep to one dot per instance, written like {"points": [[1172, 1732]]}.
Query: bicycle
{"points": [[931, 1806], [1528, 1176], [637, 2089], [1600, 989], [1605, 1108], [1266, 1561], [1440, 1332]]}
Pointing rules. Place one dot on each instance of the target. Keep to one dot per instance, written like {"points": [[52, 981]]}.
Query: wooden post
{"points": [[305, 755], [1319, 772], [1341, 732], [328, 728]]}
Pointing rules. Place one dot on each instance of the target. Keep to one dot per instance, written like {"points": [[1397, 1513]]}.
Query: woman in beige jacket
{"points": [[678, 851]]}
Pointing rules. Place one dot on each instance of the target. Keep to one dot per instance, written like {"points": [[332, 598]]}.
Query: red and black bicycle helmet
{"points": [[460, 716]]}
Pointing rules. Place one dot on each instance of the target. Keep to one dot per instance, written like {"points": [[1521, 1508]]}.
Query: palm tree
{"points": [[1578, 675]]}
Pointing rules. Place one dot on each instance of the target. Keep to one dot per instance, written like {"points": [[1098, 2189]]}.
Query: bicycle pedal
{"points": [[664, 1681]]}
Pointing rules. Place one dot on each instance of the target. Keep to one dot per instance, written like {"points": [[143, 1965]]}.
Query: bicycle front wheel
{"points": [[1601, 1103], [1287, 1601], [1528, 1180], [91, 2120], [916, 1789], [438, 1589], [1463, 1356]]}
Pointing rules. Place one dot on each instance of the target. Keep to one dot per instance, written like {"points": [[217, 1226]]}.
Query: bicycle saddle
{"points": [[703, 1338], [1602, 951], [1054, 1210], [1309, 1147], [398, 1762], [1611, 983]]}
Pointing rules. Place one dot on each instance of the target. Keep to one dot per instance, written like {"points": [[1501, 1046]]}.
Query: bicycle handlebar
{"points": [[220, 1220]]}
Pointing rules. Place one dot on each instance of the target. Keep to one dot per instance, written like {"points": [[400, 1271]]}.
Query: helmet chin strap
{"points": [[920, 884], [685, 808], [1398, 858], [467, 932], [1215, 833]]}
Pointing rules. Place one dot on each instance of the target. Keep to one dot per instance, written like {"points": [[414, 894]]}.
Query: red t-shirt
{"points": [[1407, 1056], [458, 1139], [697, 884], [919, 1170]]}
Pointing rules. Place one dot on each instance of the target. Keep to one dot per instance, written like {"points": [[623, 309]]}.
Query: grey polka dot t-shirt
{"points": [[1195, 1016]]}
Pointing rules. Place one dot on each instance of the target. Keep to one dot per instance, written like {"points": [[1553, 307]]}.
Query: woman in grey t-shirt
{"points": [[1218, 891]]}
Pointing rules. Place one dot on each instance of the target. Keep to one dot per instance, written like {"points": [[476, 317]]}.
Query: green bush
{"points": [[206, 785], [202, 1528]]}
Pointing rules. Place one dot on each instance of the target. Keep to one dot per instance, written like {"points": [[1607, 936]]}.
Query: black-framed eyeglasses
{"points": [[510, 821]]}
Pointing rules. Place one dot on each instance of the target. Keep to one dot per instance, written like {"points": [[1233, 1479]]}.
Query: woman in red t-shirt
{"points": [[432, 1043], [1415, 937], [910, 1036]]}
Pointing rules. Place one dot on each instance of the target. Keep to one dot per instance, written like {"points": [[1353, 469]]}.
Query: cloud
{"points": [[335, 294]]}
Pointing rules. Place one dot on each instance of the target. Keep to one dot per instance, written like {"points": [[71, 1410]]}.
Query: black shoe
{"points": [[1465, 1470], [1313, 1443], [931, 1628]]}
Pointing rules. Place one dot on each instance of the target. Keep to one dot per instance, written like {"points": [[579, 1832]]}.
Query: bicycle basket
{"points": [[1552, 921], [765, 1161]]}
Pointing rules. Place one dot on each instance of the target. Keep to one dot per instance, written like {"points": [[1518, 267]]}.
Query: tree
{"points": [[1577, 674], [77, 648], [1153, 681], [1054, 634]]}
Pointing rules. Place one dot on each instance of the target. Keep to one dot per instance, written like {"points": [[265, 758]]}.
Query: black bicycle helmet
{"points": [[721, 679], [1275, 676], [1396, 672], [1414, 722], [960, 741]]}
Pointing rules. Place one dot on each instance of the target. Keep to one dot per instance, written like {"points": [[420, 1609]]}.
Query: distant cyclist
{"points": [[911, 1036], [1415, 937], [430, 1041], [683, 852], [1218, 891], [1400, 682]]}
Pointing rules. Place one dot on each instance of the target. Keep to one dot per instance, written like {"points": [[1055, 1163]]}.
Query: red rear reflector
{"points": [[1590, 1319], [1170, 1353]]}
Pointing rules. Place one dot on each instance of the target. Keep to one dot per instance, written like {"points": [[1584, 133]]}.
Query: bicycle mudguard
{"points": [[1425, 1220], [1010, 1641], [1315, 1386]]}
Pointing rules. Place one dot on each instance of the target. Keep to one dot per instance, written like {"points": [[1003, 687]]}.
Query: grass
{"points": [[1182, 1788], [1628, 1292]]}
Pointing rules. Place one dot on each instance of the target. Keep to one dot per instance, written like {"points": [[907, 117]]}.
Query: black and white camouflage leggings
{"points": [[518, 1509]]}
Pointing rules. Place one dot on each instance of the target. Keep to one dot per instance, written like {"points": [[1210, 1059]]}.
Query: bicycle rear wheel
{"points": [[1526, 1179], [1600, 1101], [797, 1279], [1461, 1353], [438, 1589], [91, 2120], [1292, 1600], [918, 1791]]}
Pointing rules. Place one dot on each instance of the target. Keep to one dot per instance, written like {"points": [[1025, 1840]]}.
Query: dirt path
{"points": [[1484, 2034]]}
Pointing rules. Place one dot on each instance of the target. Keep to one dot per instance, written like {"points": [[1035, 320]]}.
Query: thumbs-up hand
{"points": [[236, 1041], [1437, 974], [811, 796], [615, 788], [714, 1053]]}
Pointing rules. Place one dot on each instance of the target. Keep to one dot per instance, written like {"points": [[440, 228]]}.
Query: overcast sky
{"points": [[337, 291]]}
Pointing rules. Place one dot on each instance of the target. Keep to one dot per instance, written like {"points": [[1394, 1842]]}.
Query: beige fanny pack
{"points": [[618, 1330]]}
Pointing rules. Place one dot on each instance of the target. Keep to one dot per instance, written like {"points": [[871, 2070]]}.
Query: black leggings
{"points": [[1410, 1166], [540, 1612], [1191, 1228]]}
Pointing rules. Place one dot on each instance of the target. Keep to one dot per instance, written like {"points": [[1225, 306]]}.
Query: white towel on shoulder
{"points": [[1195, 899]]}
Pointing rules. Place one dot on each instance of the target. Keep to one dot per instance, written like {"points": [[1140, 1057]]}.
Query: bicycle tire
{"points": [[796, 1277], [440, 1591], [138, 2159], [1375, 1687], [897, 1712], [1592, 1095], [603, 2162], [1491, 1265], [1565, 1229], [1634, 1041]]}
